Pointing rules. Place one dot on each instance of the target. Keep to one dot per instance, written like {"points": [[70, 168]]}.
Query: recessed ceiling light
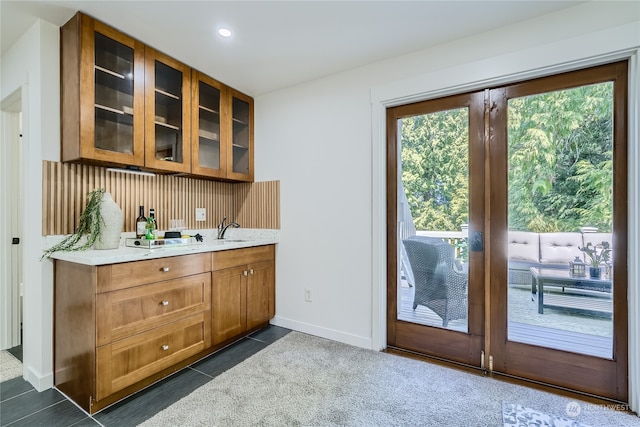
{"points": [[224, 32]]}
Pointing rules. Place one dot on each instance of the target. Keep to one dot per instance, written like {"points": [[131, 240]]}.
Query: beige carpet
{"points": [[302, 380], [10, 367]]}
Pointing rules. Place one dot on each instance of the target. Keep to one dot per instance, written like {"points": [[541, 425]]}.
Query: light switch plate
{"points": [[201, 214]]}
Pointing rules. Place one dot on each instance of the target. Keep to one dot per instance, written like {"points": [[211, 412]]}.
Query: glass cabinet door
{"points": [[241, 154], [208, 155], [167, 111], [111, 94]]}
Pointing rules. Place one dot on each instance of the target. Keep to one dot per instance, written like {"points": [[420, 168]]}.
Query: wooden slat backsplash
{"points": [[66, 185]]}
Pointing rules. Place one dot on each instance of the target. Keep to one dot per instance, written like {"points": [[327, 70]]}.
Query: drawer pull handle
{"points": [[244, 272], [165, 269], [165, 303], [165, 347], [251, 271]]}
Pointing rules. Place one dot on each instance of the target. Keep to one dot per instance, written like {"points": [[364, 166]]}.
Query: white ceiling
{"points": [[277, 44]]}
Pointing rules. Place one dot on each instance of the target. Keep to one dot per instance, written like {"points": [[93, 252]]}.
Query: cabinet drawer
{"points": [[129, 274], [130, 311], [128, 361], [236, 257]]}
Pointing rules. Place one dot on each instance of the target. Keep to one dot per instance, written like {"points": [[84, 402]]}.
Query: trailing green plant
{"points": [[90, 225]]}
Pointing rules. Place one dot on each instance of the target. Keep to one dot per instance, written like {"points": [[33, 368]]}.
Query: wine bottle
{"points": [[141, 224], [151, 225]]}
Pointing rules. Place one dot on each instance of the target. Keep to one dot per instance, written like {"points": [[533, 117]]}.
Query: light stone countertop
{"points": [[249, 237]]}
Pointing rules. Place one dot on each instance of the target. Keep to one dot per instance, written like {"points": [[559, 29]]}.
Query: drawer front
{"points": [[221, 260], [127, 312], [128, 361], [129, 274]]}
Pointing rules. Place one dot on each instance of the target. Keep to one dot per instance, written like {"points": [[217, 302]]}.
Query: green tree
{"points": [[560, 147]]}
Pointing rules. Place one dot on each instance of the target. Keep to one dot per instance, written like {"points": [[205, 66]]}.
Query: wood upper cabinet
{"points": [[102, 94], [243, 291], [208, 113], [167, 113], [240, 132], [127, 104]]}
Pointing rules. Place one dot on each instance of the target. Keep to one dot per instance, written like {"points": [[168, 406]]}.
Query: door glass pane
{"points": [[113, 95], [168, 108], [240, 115], [209, 127], [560, 210], [433, 211]]}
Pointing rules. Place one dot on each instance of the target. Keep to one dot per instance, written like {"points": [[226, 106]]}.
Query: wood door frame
{"points": [[602, 377], [530, 356], [461, 347]]}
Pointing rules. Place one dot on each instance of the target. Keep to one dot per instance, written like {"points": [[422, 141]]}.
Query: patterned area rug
{"points": [[10, 367], [519, 416]]}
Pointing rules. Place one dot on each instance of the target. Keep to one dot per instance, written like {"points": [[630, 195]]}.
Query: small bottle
{"points": [[151, 225], [141, 224]]}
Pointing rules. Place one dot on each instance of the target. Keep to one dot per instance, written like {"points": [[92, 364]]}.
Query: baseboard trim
{"points": [[40, 383], [332, 334]]}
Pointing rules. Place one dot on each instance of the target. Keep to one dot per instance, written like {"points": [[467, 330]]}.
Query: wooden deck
{"points": [[527, 333]]}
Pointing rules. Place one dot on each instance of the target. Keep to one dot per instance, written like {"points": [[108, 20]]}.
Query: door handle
{"points": [[15, 241], [476, 241]]}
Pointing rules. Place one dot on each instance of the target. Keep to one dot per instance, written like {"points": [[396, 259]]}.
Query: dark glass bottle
{"points": [[141, 224]]}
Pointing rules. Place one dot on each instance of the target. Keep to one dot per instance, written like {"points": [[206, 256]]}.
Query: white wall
{"points": [[322, 140], [32, 67]]}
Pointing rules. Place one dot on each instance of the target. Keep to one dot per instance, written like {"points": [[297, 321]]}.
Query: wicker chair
{"points": [[440, 282]]}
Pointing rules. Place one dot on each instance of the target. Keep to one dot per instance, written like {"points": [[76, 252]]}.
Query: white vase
{"points": [[113, 222]]}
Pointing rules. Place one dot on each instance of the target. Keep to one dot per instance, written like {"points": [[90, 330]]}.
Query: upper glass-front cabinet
{"points": [[208, 153], [167, 107], [103, 69], [240, 157]]}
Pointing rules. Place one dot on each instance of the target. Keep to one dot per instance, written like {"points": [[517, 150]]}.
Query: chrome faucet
{"points": [[223, 228]]}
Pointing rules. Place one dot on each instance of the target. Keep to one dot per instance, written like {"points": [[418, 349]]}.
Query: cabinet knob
{"points": [[165, 347], [251, 271], [244, 272], [165, 302], [165, 269]]}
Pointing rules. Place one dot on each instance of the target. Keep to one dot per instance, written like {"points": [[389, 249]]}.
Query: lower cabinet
{"points": [[121, 327], [243, 291]]}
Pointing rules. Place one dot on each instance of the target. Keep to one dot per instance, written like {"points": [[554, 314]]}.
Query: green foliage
{"points": [[435, 169], [560, 147], [90, 223]]}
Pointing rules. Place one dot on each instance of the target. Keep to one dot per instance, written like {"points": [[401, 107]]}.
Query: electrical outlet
{"points": [[201, 214], [307, 295]]}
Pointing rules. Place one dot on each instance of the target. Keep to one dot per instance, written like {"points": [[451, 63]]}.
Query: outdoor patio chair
{"points": [[439, 280]]}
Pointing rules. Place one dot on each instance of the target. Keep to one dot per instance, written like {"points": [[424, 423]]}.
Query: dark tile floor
{"points": [[22, 405]]}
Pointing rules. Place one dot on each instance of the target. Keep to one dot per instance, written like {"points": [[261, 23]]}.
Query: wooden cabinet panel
{"points": [[240, 132], [243, 283], [260, 294], [131, 311], [167, 113], [102, 94], [125, 362], [229, 296], [208, 133], [128, 274], [126, 104], [233, 258]]}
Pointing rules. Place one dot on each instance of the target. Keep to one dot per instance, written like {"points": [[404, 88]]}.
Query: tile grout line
{"points": [[35, 412], [17, 395]]}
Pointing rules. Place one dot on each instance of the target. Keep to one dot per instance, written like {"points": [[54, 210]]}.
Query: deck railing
{"points": [[457, 239]]}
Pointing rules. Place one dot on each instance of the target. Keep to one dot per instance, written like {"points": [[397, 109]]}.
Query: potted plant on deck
{"points": [[597, 254]]}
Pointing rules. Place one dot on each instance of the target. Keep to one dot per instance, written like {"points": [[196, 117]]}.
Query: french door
{"points": [[492, 196]]}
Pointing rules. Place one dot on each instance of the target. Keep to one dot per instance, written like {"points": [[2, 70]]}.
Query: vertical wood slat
{"points": [[66, 185]]}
